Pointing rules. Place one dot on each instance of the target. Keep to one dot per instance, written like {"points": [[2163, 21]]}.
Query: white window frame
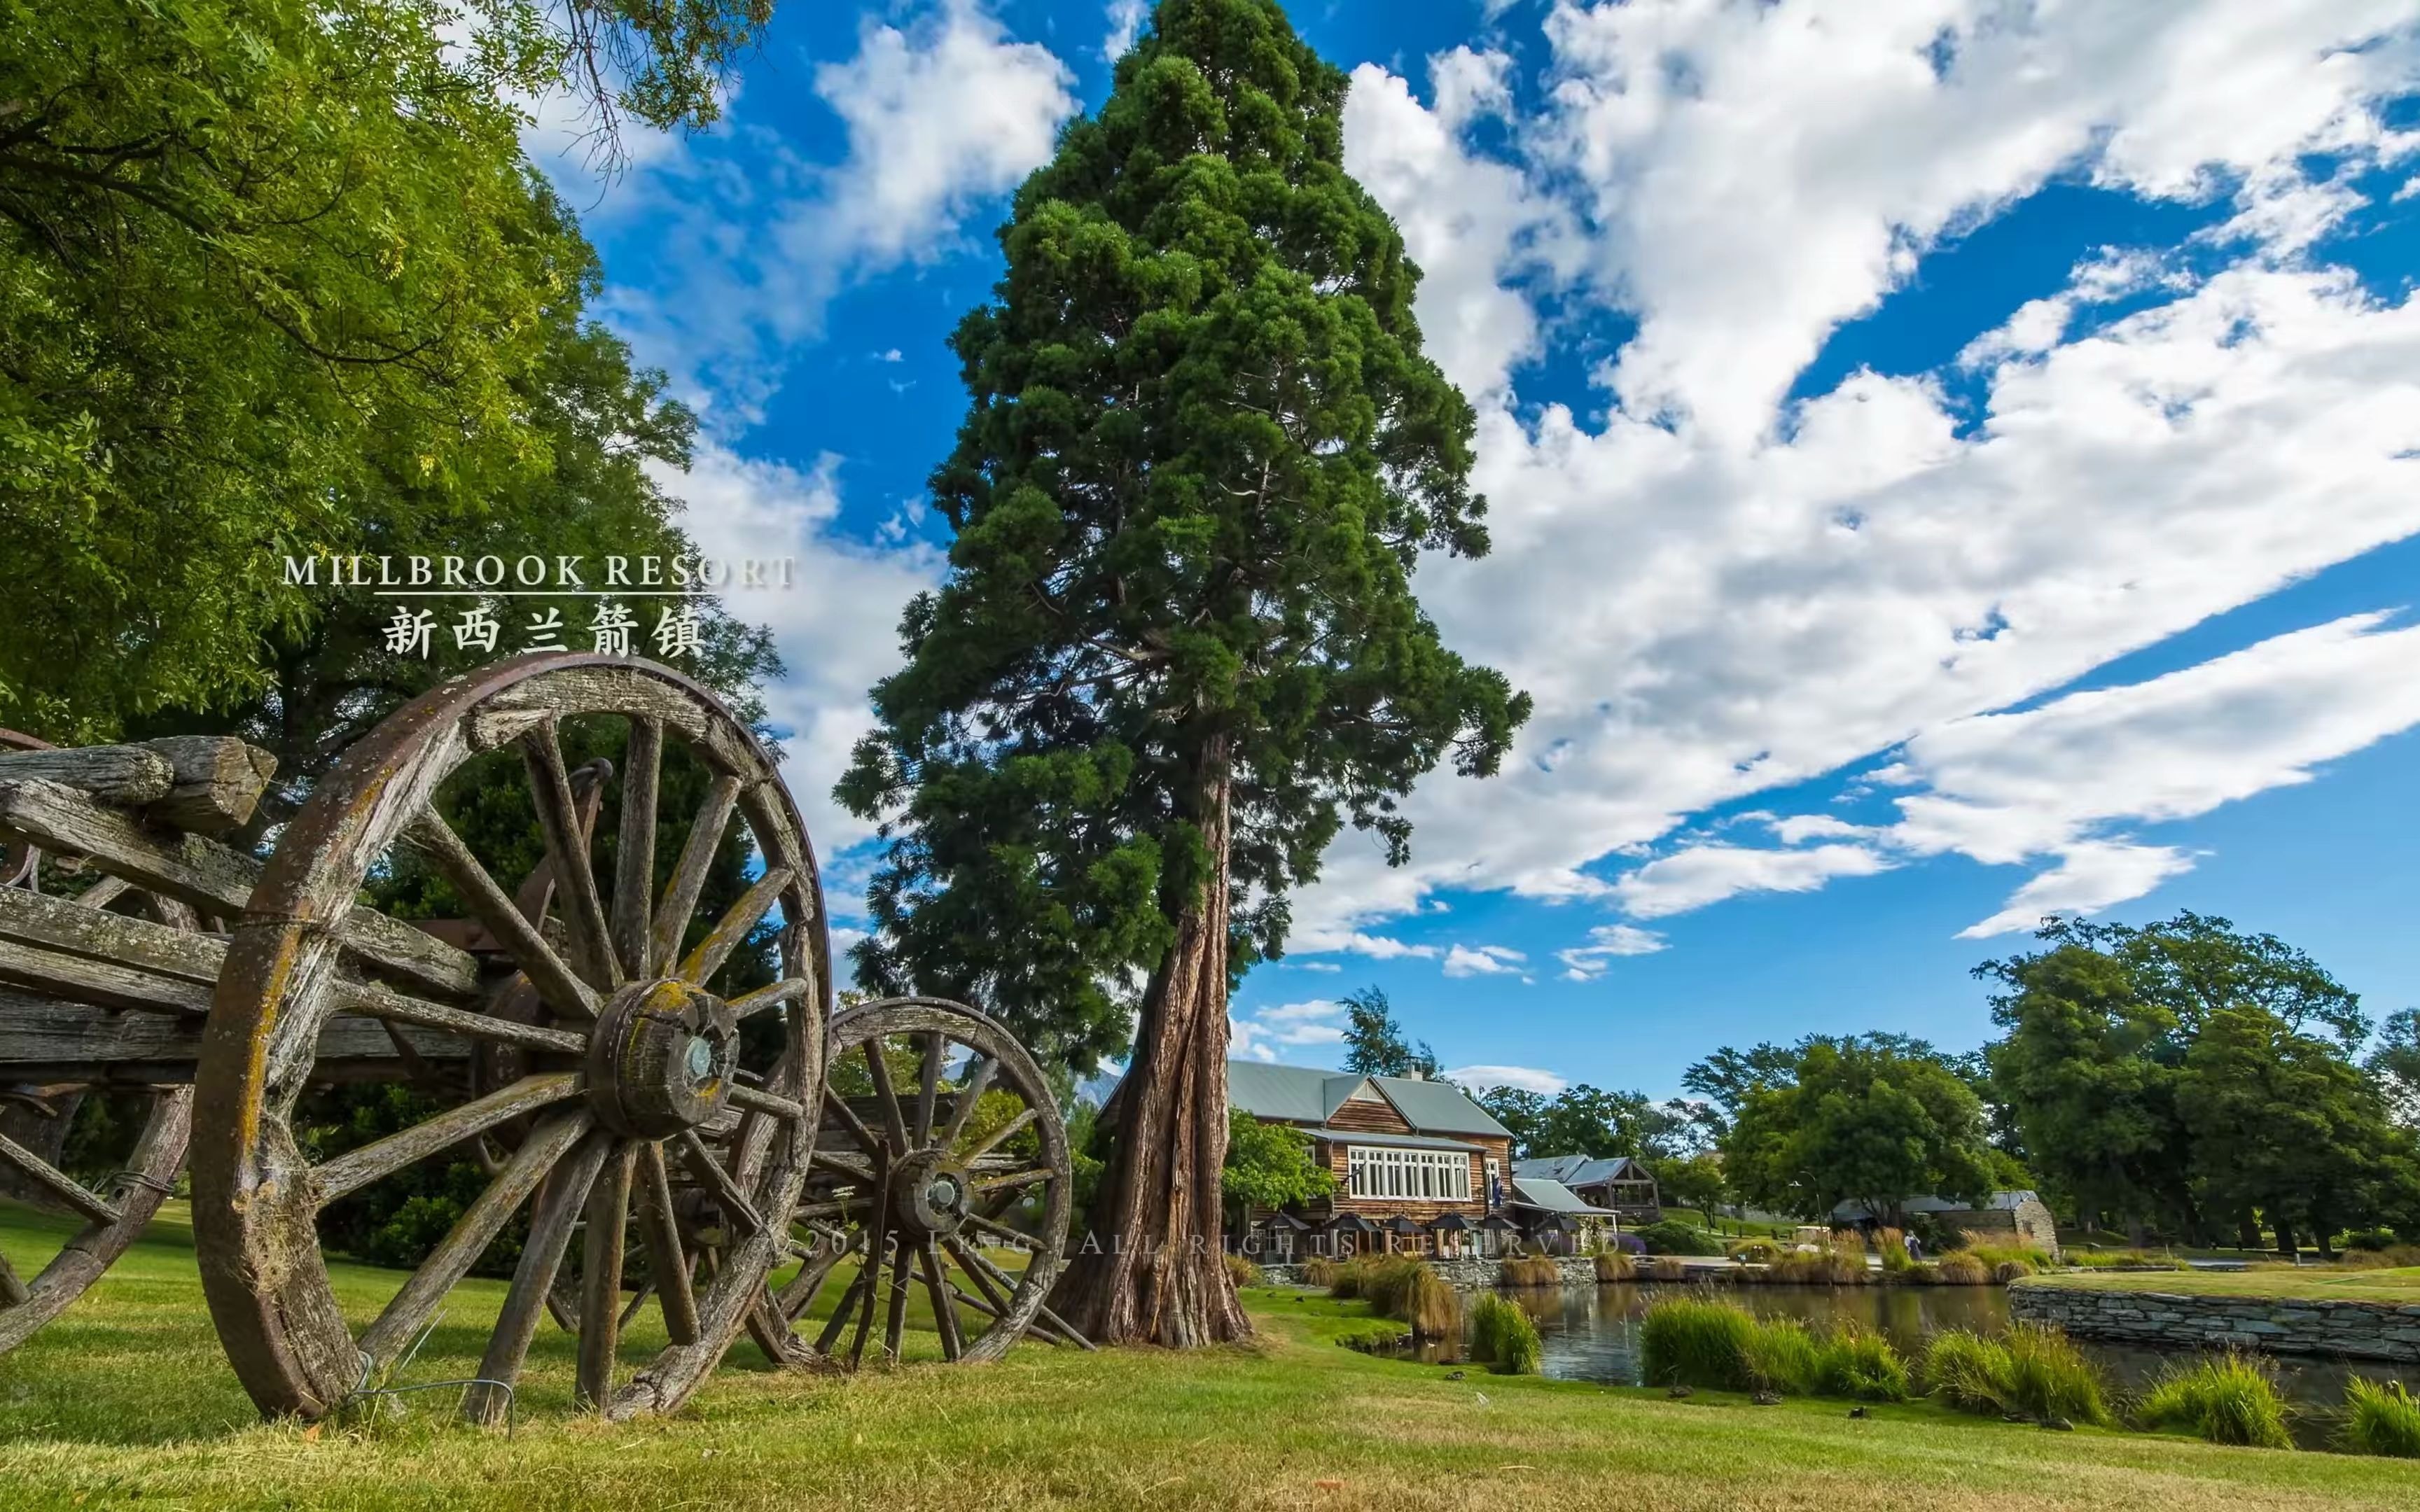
{"points": [[1387, 1171]]}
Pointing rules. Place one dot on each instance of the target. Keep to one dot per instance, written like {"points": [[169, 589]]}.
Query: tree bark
{"points": [[1149, 1268]]}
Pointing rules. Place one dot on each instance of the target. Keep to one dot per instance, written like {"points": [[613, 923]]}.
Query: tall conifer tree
{"points": [[1178, 647]]}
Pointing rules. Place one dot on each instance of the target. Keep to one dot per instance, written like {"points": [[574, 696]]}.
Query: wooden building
{"points": [[1418, 1165]]}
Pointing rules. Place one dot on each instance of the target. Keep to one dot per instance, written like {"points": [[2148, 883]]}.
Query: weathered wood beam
{"points": [[127, 775], [217, 781], [74, 1041], [66, 925], [213, 878]]}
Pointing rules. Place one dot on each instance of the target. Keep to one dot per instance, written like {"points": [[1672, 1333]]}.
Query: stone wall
{"points": [[2356, 1330], [1467, 1272]]}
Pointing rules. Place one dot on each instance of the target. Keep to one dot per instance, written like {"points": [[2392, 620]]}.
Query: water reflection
{"points": [[1590, 1332]]}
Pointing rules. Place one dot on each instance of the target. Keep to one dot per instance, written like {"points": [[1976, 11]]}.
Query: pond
{"points": [[1590, 1332]]}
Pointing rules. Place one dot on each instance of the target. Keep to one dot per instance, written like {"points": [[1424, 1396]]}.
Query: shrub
{"points": [[2049, 1377], [1530, 1271], [1968, 1372], [1959, 1268], [1671, 1237], [1614, 1265], [1825, 1268], [1862, 1366], [1630, 1244], [1244, 1272], [2227, 1398], [1782, 1354], [2023, 1258], [1319, 1271], [2371, 1259], [2379, 1420], [1694, 1341], [1502, 1336], [2372, 1239], [1669, 1268], [1756, 1252], [2123, 1259]]}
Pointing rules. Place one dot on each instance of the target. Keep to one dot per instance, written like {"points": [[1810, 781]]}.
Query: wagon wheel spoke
{"points": [[895, 1327], [894, 1120], [668, 1262], [838, 1107], [945, 1315], [765, 999], [13, 1292], [704, 837], [978, 1082], [357, 1169], [451, 1260], [838, 1322], [634, 850], [935, 1048], [64, 1187], [566, 849], [551, 1218], [561, 987], [600, 1275], [699, 966], [1002, 1134]]}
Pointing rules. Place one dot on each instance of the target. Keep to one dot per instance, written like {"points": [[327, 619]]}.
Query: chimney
{"points": [[1415, 1074]]}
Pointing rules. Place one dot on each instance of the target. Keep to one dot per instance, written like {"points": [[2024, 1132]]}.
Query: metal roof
{"points": [[1582, 1170], [1553, 1197], [1306, 1094], [1364, 1136]]}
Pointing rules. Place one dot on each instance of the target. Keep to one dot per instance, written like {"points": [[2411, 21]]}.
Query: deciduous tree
{"points": [[1178, 649], [1374, 1044]]}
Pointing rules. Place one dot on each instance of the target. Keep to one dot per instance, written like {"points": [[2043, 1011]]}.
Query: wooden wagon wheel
{"points": [[942, 1146], [636, 1070], [116, 1215]]}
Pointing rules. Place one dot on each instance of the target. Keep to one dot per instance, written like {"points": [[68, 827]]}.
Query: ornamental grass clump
{"points": [[1968, 1372], [2225, 1398], [2049, 1377], [1891, 1243], [2379, 1420], [1244, 1272], [1530, 1271], [1614, 1265], [1697, 1341], [1503, 1337], [1861, 1366], [1429, 1303], [1960, 1269], [2005, 1261], [1319, 1271], [1783, 1354]]}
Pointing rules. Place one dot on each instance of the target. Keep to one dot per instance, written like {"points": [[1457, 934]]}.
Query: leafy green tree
{"points": [[2282, 1123], [2089, 1073], [1178, 648], [1866, 1119], [1692, 1182], [1723, 1079], [2396, 1063], [276, 280], [1375, 1043], [1269, 1166], [1581, 1120]]}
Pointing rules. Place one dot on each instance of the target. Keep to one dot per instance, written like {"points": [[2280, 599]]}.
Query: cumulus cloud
{"points": [[1712, 594], [1586, 962], [1522, 1078], [942, 114], [1270, 1033], [1125, 24], [836, 627], [1483, 961]]}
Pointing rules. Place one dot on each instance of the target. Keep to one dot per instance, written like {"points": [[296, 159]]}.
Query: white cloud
{"points": [[940, 116], [1125, 24], [1709, 598], [1268, 1033], [1700, 874], [1526, 1079], [837, 628], [1485, 961], [1586, 962], [2091, 875]]}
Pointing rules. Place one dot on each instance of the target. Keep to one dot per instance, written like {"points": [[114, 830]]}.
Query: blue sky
{"points": [[1950, 462]]}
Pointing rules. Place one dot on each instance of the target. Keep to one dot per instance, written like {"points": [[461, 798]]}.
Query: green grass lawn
{"points": [[2306, 1282], [126, 1400]]}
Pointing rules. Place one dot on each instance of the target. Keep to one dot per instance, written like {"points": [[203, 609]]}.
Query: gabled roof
{"points": [[1364, 1136], [1582, 1170], [1553, 1197], [1306, 1094]]}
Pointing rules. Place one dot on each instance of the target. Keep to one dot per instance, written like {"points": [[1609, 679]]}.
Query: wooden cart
{"points": [[721, 1158]]}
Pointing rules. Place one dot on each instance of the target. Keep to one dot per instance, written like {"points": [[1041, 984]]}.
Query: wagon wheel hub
{"points": [[930, 1195], [662, 1058]]}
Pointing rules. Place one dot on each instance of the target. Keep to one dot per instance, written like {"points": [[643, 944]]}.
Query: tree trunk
{"points": [[2287, 1244], [2247, 1233], [1150, 1268]]}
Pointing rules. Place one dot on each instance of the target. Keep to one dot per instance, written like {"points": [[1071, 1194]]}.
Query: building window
{"points": [[1418, 1175]]}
